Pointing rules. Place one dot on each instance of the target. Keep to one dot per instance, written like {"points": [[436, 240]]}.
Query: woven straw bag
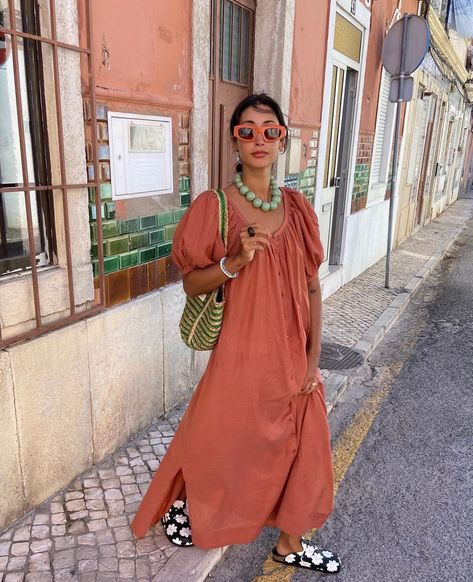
{"points": [[202, 318]]}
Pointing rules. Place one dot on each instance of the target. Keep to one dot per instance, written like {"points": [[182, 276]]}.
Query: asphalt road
{"points": [[404, 511]]}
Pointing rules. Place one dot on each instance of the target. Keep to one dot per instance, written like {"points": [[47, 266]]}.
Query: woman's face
{"points": [[259, 153]]}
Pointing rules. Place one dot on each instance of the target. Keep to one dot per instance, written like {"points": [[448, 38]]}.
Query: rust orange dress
{"points": [[251, 451]]}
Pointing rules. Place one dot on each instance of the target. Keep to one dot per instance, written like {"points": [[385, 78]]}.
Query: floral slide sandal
{"points": [[176, 524], [310, 557]]}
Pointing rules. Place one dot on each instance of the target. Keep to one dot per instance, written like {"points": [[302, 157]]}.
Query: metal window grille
{"points": [[35, 184]]}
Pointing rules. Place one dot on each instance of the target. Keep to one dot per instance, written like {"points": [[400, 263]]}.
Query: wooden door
{"points": [[231, 74]]}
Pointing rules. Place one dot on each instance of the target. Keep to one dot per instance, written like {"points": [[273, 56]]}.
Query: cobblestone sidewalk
{"points": [[83, 533]]}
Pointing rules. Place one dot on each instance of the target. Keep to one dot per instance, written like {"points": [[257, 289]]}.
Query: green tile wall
{"points": [[136, 240]]}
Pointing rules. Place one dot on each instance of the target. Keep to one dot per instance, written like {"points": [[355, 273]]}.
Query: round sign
{"points": [[417, 41], [4, 48]]}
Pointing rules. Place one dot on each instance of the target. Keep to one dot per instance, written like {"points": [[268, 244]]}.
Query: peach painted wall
{"points": [[381, 16], [142, 50], [308, 63]]}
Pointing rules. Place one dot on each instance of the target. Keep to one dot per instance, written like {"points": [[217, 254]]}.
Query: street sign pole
{"points": [[397, 126]]}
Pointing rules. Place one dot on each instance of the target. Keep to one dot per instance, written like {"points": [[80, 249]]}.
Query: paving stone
{"points": [[39, 562], [22, 534], [123, 470], [65, 575], [121, 460], [87, 577], [41, 546], [63, 559], [125, 549], [140, 469], [58, 530], [58, 518], [108, 564], [3, 563], [39, 577], [87, 565], [75, 505], [106, 577], [86, 540], [95, 504], [113, 494], [41, 519], [87, 553], [14, 577], [79, 515], [64, 542], [4, 548], [115, 507], [143, 478], [104, 537], [127, 479], [6, 535], [97, 524], [108, 551], [111, 483], [122, 533], [126, 569], [93, 493], [16, 563], [142, 569], [132, 453], [20, 549], [73, 495], [145, 546], [78, 527], [91, 483]]}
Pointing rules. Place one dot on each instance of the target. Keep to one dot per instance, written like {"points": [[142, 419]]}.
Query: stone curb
{"points": [[196, 564]]}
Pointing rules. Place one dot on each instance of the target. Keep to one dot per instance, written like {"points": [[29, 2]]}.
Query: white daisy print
{"points": [[181, 519], [332, 566], [186, 532], [177, 541], [171, 529], [317, 559], [179, 504], [309, 551], [304, 564], [290, 558], [327, 554]]}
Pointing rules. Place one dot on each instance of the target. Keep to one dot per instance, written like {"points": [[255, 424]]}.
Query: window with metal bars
{"points": [[234, 42], [14, 241]]}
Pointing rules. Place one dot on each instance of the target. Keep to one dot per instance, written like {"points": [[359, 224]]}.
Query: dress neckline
{"points": [[280, 228]]}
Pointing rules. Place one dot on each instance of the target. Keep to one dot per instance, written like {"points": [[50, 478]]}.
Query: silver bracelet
{"points": [[226, 271]]}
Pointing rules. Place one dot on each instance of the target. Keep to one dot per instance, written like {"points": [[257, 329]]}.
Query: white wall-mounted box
{"points": [[140, 155]]}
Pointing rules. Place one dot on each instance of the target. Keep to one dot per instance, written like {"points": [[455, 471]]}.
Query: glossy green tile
{"points": [[95, 268], [185, 199], [126, 226], [169, 231], [138, 240], [178, 214], [91, 194], [109, 228], [94, 250], [109, 210], [148, 222], [93, 233], [129, 259], [165, 218], [111, 264], [149, 254], [93, 211], [164, 249], [114, 246], [106, 191], [156, 236]]}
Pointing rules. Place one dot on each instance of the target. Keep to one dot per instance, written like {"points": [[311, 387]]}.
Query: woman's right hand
{"points": [[250, 244]]}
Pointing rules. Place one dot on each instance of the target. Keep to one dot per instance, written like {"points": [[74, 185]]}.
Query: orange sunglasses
{"points": [[248, 132]]}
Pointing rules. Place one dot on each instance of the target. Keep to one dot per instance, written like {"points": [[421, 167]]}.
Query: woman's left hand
{"points": [[310, 383]]}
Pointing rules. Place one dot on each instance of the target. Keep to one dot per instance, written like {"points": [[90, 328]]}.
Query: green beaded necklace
{"points": [[257, 202]]}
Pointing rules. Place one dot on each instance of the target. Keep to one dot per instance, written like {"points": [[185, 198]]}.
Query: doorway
{"points": [[231, 74]]}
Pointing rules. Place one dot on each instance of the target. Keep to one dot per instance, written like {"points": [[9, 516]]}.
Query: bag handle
{"points": [[223, 217]]}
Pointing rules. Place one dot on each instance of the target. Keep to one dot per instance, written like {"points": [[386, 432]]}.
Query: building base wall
{"points": [[73, 396]]}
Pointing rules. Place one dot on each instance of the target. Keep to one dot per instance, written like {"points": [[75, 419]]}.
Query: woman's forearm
{"points": [[315, 336], [201, 281]]}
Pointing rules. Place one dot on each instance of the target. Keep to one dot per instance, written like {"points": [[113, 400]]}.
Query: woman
{"points": [[253, 448]]}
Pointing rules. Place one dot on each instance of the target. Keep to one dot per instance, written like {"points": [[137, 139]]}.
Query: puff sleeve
{"points": [[197, 242], [308, 226]]}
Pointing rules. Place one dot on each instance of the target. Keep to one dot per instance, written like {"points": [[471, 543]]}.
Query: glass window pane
{"points": [[236, 43], [226, 40], [245, 48]]}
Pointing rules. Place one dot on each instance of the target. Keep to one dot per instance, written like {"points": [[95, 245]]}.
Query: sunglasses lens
{"points": [[246, 133], [272, 133]]}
